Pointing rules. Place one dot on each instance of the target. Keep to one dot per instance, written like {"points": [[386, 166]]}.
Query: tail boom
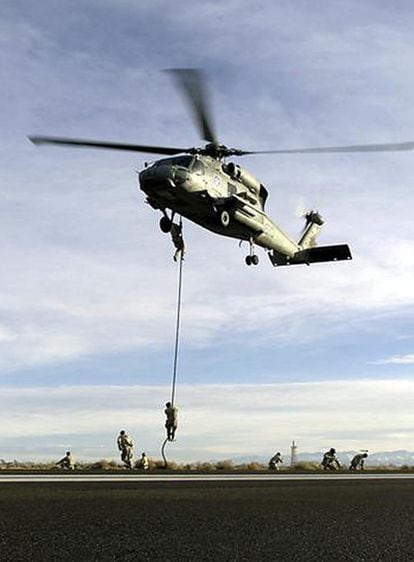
{"points": [[320, 254]]}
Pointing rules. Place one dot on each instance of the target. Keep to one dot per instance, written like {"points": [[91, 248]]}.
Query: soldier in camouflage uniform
{"points": [[178, 240], [275, 461], [171, 422], [330, 460], [66, 463], [358, 462], [125, 445], [143, 462]]}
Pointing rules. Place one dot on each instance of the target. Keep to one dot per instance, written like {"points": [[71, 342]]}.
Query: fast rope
{"points": [[177, 334], [177, 323]]}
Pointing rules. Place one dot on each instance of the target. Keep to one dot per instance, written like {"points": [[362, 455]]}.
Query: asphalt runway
{"points": [[186, 477], [233, 519]]}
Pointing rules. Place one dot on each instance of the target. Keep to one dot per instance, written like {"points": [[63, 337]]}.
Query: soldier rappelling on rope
{"points": [[178, 240], [171, 422]]}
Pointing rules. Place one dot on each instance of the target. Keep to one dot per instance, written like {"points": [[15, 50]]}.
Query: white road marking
{"points": [[125, 477]]}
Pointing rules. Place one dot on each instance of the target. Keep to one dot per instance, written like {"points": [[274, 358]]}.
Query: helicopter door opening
{"points": [[263, 195], [231, 189]]}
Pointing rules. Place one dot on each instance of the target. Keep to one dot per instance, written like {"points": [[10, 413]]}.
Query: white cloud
{"points": [[59, 304], [407, 359], [215, 420]]}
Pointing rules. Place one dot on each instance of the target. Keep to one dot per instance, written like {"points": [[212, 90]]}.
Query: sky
{"points": [[322, 354]]}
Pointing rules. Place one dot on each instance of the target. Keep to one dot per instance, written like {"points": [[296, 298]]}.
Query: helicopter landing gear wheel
{"points": [[252, 258], [165, 224], [225, 218]]}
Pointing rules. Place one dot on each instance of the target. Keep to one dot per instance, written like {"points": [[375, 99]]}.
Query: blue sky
{"points": [[88, 284]]}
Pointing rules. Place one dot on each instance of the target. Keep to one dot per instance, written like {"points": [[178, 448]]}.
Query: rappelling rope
{"points": [[163, 453], [177, 338], [177, 323]]}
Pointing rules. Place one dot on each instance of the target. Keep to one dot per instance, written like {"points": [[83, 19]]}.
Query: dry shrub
{"points": [[253, 466], [203, 466], [103, 464], [226, 464], [159, 464], [29, 465], [172, 465], [387, 467], [198, 466], [307, 465]]}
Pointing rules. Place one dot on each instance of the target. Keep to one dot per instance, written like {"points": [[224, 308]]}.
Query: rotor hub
{"points": [[216, 151]]}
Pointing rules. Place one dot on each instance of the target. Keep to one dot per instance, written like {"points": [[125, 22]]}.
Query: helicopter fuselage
{"points": [[221, 197]]}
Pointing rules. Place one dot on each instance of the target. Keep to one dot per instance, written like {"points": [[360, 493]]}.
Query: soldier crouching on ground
{"points": [[358, 462], [171, 422], [275, 461], [330, 460], [143, 462], [125, 445], [67, 462]]}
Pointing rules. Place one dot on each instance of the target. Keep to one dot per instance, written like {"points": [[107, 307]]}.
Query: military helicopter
{"points": [[202, 185]]}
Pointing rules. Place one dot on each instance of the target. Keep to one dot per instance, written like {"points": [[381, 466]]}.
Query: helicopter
{"points": [[202, 185]]}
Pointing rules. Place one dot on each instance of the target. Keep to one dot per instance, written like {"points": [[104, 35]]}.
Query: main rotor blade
{"points": [[83, 143], [387, 147], [192, 83]]}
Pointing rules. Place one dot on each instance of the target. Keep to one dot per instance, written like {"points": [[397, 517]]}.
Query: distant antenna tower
{"points": [[293, 454]]}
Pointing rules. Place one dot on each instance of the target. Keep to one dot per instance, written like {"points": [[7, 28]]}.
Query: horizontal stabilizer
{"points": [[319, 254]]}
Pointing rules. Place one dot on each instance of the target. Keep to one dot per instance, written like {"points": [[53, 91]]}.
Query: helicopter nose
{"points": [[159, 178], [163, 177]]}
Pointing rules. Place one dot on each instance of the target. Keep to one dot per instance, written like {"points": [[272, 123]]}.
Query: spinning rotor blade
{"points": [[192, 83], [300, 208], [387, 147], [305, 226], [82, 143]]}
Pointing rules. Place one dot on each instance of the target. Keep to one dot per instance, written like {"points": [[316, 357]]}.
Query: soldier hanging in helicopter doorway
{"points": [[178, 240]]}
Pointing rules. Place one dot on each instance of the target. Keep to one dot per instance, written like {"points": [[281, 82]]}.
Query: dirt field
{"points": [[361, 520]]}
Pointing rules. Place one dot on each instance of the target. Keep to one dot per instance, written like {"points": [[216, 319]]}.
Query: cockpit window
{"points": [[198, 167], [184, 161]]}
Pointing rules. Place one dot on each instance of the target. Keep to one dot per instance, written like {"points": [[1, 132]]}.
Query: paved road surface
{"points": [[281, 519], [151, 477]]}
